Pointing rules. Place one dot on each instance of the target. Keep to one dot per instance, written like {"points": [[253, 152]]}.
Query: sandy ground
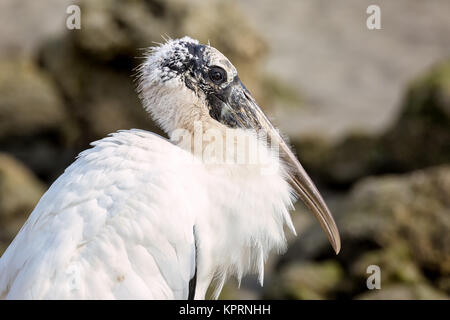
{"points": [[351, 78]]}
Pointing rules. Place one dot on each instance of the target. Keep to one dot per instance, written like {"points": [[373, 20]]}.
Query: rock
{"points": [[403, 147], [20, 191], [29, 103], [424, 117], [100, 98], [310, 281], [34, 124], [444, 283], [340, 165], [404, 292], [231, 291], [397, 222], [412, 208], [395, 262], [400, 223], [112, 29]]}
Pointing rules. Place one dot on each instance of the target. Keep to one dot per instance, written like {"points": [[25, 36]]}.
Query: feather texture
{"points": [[107, 228], [118, 224]]}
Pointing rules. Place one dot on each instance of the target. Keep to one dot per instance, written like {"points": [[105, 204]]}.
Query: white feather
{"points": [[119, 224]]}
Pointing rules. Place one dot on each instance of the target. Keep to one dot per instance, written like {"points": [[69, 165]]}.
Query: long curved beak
{"points": [[249, 114]]}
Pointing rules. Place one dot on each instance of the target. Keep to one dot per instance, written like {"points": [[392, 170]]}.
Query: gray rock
{"points": [[20, 191], [100, 98], [419, 138], [29, 103], [413, 208], [421, 135], [34, 123], [400, 223], [306, 281], [404, 292]]}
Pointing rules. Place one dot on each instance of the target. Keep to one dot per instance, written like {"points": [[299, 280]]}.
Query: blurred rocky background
{"points": [[368, 113]]}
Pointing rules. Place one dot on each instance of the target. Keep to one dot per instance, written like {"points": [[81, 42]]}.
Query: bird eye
{"points": [[217, 75]]}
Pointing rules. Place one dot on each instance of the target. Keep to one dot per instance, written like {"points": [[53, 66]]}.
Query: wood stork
{"points": [[139, 216]]}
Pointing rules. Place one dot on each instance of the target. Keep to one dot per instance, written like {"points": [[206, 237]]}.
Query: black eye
{"points": [[217, 75]]}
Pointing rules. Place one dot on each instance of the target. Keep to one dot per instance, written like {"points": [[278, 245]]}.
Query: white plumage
{"points": [[99, 231], [140, 217]]}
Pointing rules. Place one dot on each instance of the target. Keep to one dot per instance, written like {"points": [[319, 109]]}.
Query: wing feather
{"points": [[117, 224]]}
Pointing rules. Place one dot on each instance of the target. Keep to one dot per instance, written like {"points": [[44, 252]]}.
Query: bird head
{"points": [[183, 81], [183, 73]]}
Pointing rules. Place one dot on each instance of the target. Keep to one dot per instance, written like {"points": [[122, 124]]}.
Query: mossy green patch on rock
{"points": [[306, 281], [404, 292], [395, 262], [400, 223], [412, 208]]}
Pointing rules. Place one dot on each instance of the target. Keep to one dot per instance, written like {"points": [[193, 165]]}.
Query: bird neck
{"points": [[251, 205], [173, 107]]}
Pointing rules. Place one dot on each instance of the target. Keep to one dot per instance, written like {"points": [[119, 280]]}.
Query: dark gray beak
{"points": [[244, 112]]}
